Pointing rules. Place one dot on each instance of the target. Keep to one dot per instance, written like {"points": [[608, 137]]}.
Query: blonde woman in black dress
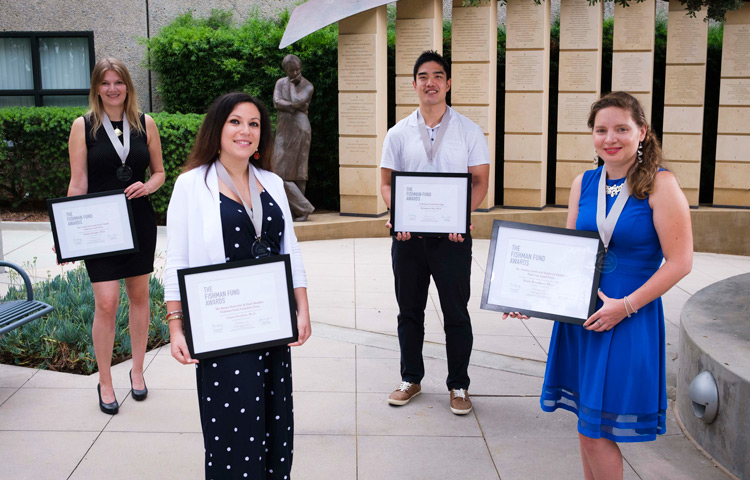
{"points": [[111, 147]]}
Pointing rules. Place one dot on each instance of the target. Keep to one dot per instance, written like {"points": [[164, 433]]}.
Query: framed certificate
{"points": [[430, 204], [543, 272], [92, 226], [238, 306]]}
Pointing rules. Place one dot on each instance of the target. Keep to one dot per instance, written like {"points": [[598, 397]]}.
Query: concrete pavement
{"points": [[51, 427]]}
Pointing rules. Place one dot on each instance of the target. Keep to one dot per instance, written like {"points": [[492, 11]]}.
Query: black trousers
{"points": [[449, 264]]}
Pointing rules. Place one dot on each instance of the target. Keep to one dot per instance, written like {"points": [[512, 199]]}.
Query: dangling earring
{"points": [[256, 155], [640, 152], [596, 159], [219, 152]]}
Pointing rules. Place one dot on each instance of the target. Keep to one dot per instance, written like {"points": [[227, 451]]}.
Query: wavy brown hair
{"points": [[96, 110], [641, 175], [208, 141]]}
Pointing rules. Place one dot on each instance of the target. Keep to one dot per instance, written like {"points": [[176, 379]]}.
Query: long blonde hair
{"points": [[96, 110]]}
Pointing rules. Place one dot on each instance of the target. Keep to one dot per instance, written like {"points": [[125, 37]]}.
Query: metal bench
{"points": [[15, 313]]}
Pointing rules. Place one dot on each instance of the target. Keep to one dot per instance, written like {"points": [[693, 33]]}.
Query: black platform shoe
{"points": [[138, 395], [108, 408]]}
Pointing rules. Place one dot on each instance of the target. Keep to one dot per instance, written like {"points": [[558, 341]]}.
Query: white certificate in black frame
{"points": [[238, 306], [92, 226], [430, 204], [543, 272]]}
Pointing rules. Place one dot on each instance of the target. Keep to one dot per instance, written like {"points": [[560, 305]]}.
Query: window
{"points": [[45, 68]]}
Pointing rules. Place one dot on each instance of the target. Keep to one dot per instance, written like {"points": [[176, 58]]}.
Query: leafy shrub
{"points": [[197, 59], [61, 341], [34, 163]]}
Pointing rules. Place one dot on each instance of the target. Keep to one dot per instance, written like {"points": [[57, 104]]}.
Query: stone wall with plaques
{"points": [[526, 103], [419, 27], [474, 73], [633, 51], [579, 84], [732, 181], [684, 93], [363, 112]]}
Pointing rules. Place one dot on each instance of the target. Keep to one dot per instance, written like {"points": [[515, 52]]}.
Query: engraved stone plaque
{"points": [[356, 54], [358, 151], [471, 34], [735, 56], [573, 111], [470, 84], [577, 71], [525, 70], [523, 148], [524, 112], [732, 148], [683, 119], [634, 26], [478, 115], [403, 111], [687, 37], [405, 91], [734, 120], [579, 25], [682, 147], [357, 113], [685, 85], [413, 37], [576, 147], [632, 71], [525, 24], [735, 91]]}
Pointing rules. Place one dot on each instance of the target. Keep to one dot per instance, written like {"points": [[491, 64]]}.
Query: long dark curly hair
{"points": [[641, 175]]}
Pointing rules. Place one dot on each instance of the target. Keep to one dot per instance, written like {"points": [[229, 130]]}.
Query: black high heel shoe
{"points": [[138, 395], [108, 408]]}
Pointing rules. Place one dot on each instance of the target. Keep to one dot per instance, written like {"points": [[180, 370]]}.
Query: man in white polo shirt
{"points": [[434, 138]]}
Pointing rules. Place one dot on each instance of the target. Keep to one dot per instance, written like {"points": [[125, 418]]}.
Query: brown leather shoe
{"points": [[405, 392], [460, 402]]}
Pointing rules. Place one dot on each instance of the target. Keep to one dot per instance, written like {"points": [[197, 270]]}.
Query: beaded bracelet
{"points": [[627, 300]]}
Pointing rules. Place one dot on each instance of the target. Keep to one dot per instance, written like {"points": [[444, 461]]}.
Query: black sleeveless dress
{"points": [[102, 161]]}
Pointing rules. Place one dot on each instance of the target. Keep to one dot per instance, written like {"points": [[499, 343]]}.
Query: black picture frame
{"points": [[256, 277], [400, 194], [546, 272], [114, 212]]}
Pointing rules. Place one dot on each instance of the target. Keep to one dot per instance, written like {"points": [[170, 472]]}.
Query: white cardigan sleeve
{"points": [[177, 238]]}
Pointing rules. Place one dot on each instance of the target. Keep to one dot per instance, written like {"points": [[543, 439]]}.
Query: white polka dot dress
{"points": [[245, 398]]}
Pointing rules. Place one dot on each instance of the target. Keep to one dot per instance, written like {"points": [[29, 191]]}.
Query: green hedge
{"points": [[196, 60], [34, 163]]}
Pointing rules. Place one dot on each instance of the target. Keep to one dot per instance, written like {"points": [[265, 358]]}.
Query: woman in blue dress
{"points": [[611, 371]]}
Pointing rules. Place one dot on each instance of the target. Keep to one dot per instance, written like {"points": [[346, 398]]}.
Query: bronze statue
{"points": [[291, 97]]}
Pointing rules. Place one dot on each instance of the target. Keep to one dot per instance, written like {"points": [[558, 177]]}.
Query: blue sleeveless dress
{"points": [[614, 381]]}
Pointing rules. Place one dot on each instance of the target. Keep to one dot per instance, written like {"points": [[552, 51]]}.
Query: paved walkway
{"points": [[51, 427]]}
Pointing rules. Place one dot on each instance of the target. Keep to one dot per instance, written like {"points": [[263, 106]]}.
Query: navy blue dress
{"points": [[615, 381], [245, 398]]}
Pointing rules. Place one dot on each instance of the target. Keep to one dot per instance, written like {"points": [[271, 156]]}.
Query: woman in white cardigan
{"points": [[245, 398]]}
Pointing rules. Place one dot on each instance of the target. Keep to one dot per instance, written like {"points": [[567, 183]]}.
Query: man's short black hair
{"points": [[432, 56]]}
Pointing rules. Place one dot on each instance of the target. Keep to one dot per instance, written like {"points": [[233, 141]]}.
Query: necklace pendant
{"points": [[118, 132]]}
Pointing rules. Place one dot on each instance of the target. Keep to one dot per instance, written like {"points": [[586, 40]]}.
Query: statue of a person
{"points": [[291, 97]]}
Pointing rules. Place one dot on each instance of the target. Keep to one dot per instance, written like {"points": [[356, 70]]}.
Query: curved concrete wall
{"points": [[715, 336]]}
